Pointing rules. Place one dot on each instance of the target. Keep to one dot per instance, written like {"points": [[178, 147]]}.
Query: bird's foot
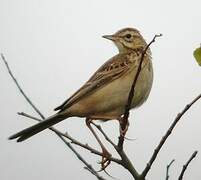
{"points": [[105, 162]]}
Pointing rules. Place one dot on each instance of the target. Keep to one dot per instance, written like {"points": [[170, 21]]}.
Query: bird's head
{"points": [[127, 39]]}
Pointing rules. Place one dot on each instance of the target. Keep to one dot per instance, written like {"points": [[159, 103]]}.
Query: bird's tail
{"points": [[28, 132]]}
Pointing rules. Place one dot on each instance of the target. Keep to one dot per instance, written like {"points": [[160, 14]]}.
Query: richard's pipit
{"points": [[105, 94]]}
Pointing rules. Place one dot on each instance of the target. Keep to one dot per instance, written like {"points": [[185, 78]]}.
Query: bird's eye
{"points": [[128, 36]]}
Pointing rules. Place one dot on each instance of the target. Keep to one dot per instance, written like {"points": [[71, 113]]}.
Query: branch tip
{"points": [[185, 166]]}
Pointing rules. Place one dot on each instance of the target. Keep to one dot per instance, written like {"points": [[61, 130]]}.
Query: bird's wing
{"points": [[111, 70]]}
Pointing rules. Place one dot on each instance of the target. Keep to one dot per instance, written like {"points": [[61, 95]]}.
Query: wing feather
{"points": [[108, 72]]}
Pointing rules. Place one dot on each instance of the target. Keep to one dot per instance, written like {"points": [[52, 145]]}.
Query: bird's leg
{"points": [[106, 155], [121, 121]]}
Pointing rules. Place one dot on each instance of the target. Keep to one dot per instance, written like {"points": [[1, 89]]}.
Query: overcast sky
{"points": [[53, 47]]}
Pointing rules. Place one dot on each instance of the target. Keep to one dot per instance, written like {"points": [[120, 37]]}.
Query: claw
{"points": [[109, 175], [129, 139], [105, 160]]}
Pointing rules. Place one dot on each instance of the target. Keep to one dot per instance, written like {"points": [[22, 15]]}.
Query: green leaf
{"points": [[197, 55]]}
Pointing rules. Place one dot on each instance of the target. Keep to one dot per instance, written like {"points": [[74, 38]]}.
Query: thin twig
{"points": [[167, 169], [132, 93], [90, 169], [88, 166], [164, 138], [104, 134], [185, 166], [20, 89], [43, 117]]}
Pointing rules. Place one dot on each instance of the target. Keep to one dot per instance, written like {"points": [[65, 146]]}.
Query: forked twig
{"points": [[185, 166], [167, 169], [164, 138], [125, 161]]}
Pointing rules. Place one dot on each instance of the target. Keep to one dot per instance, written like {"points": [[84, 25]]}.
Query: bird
{"points": [[104, 96]]}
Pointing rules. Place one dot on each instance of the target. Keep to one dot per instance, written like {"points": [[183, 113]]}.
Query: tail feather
{"points": [[28, 132]]}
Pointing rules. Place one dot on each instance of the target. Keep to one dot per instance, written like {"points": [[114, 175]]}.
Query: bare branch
{"points": [[185, 166], [164, 138], [132, 93], [167, 169], [43, 117]]}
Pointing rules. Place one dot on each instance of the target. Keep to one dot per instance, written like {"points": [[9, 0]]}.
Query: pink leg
{"points": [[122, 131], [106, 155]]}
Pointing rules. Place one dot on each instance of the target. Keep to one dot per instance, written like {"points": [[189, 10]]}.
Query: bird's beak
{"points": [[110, 37]]}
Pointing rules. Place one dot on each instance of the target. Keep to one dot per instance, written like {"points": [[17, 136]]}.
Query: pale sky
{"points": [[53, 47]]}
